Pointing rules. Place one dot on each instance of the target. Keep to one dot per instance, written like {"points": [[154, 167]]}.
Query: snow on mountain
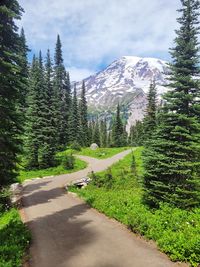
{"points": [[126, 81]]}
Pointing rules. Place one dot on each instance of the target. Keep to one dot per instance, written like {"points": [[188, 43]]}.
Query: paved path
{"points": [[68, 233]]}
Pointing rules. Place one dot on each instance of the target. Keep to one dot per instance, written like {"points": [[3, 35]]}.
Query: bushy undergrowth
{"points": [[176, 231], [14, 239]]}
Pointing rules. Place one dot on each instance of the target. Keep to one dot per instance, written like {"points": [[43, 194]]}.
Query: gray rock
{"points": [[94, 146], [16, 188]]}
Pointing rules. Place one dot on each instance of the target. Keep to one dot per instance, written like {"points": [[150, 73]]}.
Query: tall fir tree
{"points": [[11, 87], [83, 118], [172, 157], [23, 53], [96, 133], [60, 84], [149, 122], [118, 130], [32, 114], [48, 127], [103, 133], [65, 111], [74, 132], [136, 135]]}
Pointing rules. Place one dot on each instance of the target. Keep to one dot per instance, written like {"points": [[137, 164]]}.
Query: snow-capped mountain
{"points": [[126, 81]]}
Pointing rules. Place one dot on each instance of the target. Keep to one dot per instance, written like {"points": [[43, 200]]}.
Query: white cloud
{"points": [[95, 32], [78, 74]]}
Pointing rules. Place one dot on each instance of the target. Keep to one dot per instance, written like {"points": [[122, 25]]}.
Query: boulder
{"points": [[94, 146], [16, 194], [16, 188]]}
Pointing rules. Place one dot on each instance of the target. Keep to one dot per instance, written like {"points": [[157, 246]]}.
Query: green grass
{"points": [[14, 239], [176, 231], [101, 153], [79, 165]]}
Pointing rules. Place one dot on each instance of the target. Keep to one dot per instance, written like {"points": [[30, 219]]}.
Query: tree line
{"points": [[40, 113]]}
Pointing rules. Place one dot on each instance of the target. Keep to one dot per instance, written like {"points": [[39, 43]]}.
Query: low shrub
{"points": [[176, 231], [75, 146], [14, 239], [68, 162], [4, 199]]}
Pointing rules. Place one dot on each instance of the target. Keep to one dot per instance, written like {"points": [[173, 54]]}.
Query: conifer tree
{"points": [[32, 123], [96, 133], [65, 111], [23, 53], [90, 132], [49, 129], [83, 117], [11, 86], [103, 133], [118, 130], [172, 157], [60, 84], [136, 136], [74, 135], [149, 122]]}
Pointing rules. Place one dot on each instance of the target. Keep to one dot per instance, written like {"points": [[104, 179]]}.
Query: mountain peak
{"points": [[126, 81]]}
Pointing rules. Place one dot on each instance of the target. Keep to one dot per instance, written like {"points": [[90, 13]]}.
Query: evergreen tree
{"points": [[96, 133], [136, 136], [103, 133], [60, 84], [90, 132], [32, 123], [11, 86], [149, 121], [65, 111], [172, 157], [83, 117], [74, 135], [118, 130], [49, 129], [23, 53]]}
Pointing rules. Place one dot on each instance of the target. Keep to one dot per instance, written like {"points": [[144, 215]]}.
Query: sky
{"points": [[96, 32]]}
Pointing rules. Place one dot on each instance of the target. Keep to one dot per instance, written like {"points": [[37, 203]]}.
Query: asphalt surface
{"points": [[66, 232]]}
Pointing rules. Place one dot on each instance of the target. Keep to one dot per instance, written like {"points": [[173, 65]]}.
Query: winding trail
{"points": [[68, 233]]}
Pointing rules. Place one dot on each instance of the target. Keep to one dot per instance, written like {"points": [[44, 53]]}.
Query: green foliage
{"points": [[136, 136], [59, 169], [75, 146], [14, 239], [83, 118], [11, 87], [175, 231], [149, 121], [118, 137], [103, 133], [74, 123], [133, 165], [102, 153], [68, 162], [4, 199], [172, 156]]}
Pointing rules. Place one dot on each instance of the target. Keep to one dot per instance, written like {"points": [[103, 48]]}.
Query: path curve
{"points": [[66, 232]]}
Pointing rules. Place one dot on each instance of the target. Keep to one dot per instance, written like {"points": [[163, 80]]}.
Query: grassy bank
{"points": [[118, 194], [14, 239], [59, 169], [101, 153]]}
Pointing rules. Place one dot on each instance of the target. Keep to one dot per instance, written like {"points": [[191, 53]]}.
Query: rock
{"points": [[79, 183], [16, 189], [94, 146], [16, 200]]}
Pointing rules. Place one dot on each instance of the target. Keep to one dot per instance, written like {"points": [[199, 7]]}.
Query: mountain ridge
{"points": [[125, 81]]}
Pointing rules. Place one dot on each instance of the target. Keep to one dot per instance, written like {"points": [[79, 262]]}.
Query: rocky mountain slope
{"points": [[126, 81]]}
